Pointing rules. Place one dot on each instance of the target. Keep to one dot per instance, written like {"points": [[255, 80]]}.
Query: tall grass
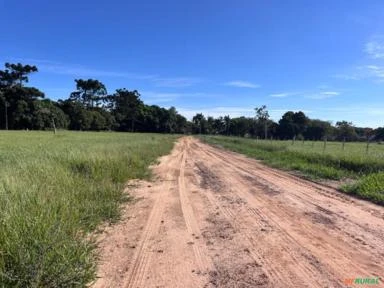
{"points": [[314, 161], [54, 189]]}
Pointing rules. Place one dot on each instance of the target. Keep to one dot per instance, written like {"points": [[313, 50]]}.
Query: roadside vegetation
{"points": [[55, 190], [319, 160]]}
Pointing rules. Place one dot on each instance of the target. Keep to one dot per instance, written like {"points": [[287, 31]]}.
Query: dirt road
{"points": [[214, 218]]}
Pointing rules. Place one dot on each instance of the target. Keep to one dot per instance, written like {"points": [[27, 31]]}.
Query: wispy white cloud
{"points": [[352, 76], [375, 47], [358, 109], [318, 93], [323, 95], [369, 71], [281, 95], [363, 115], [159, 97], [365, 72], [76, 70], [242, 84], [154, 97], [330, 93], [373, 71], [81, 71]]}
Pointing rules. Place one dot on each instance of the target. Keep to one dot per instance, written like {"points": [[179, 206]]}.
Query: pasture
{"points": [[55, 190]]}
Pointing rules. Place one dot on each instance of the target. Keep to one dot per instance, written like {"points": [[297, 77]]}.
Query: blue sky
{"points": [[325, 58]]}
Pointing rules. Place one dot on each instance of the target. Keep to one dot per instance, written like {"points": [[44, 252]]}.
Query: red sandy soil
{"points": [[214, 218]]}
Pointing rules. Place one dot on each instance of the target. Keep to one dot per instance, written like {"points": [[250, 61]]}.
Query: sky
{"points": [[325, 58]]}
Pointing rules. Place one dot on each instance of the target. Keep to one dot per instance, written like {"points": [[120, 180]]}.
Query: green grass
{"points": [[313, 161], [370, 187], [54, 191]]}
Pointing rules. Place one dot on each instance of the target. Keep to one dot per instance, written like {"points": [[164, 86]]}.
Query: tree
{"points": [[79, 116], [286, 128], [379, 134], [227, 124], [317, 129], [345, 131], [98, 121], [91, 108], [16, 99], [199, 123], [210, 125], [273, 129], [241, 126], [219, 126], [301, 122], [127, 109], [181, 124], [15, 74], [292, 124], [5, 105], [171, 120], [89, 92], [364, 133], [48, 115], [262, 116]]}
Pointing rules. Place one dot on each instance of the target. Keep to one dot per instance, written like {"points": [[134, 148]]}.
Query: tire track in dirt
{"points": [[142, 257], [304, 196], [203, 262], [271, 175], [219, 219], [250, 226], [369, 260], [267, 175]]}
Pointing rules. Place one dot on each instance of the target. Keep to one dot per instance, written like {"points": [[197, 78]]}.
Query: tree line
{"points": [[292, 125], [88, 108], [91, 108]]}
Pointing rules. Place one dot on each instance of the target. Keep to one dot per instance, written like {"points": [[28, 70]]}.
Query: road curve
{"points": [[214, 218]]}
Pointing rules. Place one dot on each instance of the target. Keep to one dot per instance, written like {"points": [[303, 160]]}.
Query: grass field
{"points": [[54, 190], [311, 159]]}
